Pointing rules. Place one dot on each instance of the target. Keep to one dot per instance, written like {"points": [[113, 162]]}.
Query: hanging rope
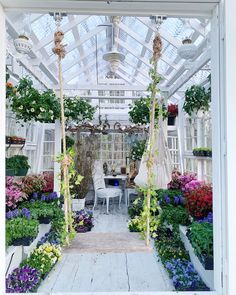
{"points": [[59, 50], [157, 47]]}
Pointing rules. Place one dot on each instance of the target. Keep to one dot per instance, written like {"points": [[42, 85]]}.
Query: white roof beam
{"points": [[93, 87], [84, 56], [79, 42], [67, 27], [204, 59], [123, 68], [164, 34], [147, 45]]}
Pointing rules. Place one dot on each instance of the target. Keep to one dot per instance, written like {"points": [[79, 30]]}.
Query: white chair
{"points": [[130, 191], [101, 191]]}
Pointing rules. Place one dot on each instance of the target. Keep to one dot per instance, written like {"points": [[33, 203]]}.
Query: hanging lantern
{"points": [[23, 44], [114, 58], [187, 50]]}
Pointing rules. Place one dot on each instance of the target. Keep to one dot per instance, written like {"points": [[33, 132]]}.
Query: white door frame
{"points": [[223, 86]]}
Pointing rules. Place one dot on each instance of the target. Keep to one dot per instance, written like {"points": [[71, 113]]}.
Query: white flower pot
{"points": [[78, 204]]}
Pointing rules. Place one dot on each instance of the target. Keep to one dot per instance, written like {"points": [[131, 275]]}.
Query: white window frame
{"points": [[223, 109]]}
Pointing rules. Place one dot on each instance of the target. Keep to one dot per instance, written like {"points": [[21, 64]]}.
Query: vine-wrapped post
{"points": [[59, 50], [157, 47]]}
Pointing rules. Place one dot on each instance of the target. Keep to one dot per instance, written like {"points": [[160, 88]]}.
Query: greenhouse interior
{"points": [[108, 153]]}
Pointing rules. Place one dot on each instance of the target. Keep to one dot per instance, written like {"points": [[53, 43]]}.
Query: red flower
{"points": [[199, 201], [173, 110]]}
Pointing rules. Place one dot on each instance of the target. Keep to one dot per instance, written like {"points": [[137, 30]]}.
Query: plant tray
{"points": [[26, 241], [206, 275], [44, 220]]}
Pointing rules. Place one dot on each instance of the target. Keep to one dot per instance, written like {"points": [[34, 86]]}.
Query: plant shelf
{"points": [[206, 275]]}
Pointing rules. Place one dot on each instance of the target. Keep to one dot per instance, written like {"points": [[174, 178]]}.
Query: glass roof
{"points": [[89, 37]]}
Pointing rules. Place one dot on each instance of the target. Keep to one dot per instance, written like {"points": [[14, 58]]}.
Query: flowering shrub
{"points": [[179, 181], [18, 213], [137, 150], [49, 182], [14, 195], [23, 280], [199, 201], [33, 183], [43, 258], [29, 104], [184, 276], [193, 184], [83, 221]]}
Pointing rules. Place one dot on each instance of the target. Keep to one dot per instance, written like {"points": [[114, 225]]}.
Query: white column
{"points": [[2, 124], [57, 151], [230, 101], [181, 134]]}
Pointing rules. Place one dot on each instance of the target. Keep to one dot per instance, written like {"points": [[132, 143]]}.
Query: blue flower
{"points": [[176, 200], [167, 199]]}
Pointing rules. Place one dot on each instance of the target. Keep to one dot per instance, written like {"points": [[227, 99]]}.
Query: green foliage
{"points": [[139, 222], [196, 98], [29, 104], [20, 227], [201, 237], [136, 207], [202, 152], [174, 215], [140, 111], [137, 150], [40, 209], [78, 109], [17, 162], [169, 244]]}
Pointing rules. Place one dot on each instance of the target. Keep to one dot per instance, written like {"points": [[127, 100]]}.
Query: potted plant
{"points": [[172, 113], [21, 231], [200, 235], [41, 210], [18, 163], [83, 221], [197, 98], [43, 258], [140, 111], [23, 280], [138, 150]]}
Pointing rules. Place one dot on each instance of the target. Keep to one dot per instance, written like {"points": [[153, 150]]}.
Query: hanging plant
{"points": [[197, 98], [78, 109], [30, 105], [140, 111]]}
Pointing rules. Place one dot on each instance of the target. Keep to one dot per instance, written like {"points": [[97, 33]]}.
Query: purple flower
{"points": [[35, 195], [9, 215], [26, 213], [176, 200], [43, 198], [22, 280], [167, 199]]}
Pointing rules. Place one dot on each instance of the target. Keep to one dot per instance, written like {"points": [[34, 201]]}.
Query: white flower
{"points": [[20, 108], [32, 110], [51, 112], [33, 102], [52, 117], [42, 109]]}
